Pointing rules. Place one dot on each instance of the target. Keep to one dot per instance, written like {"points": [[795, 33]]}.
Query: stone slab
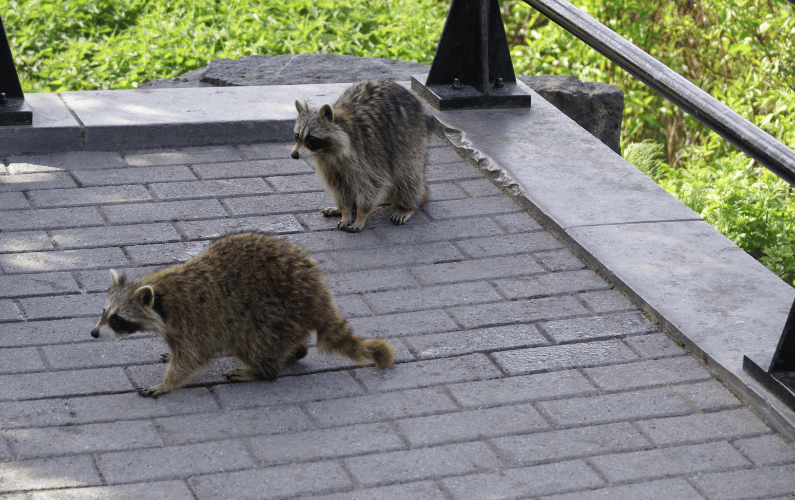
{"points": [[53, 129]]}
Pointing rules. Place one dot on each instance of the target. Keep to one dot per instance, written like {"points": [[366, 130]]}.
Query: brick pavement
{"points": [[520, 374]]}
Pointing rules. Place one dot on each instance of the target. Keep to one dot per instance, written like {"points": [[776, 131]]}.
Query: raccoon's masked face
{"points": [[311, 130], [126, 309]]}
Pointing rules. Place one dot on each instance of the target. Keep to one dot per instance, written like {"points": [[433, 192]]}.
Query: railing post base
{"points": [[779, 377], [13, 108], [472, 67]]}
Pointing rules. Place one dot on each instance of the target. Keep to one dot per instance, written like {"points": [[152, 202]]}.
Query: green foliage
{"points": [[740, 51], [112, 44]]}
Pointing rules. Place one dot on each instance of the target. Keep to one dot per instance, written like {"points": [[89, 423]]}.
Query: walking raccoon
{"points": [[369, 148], [247, 294]]}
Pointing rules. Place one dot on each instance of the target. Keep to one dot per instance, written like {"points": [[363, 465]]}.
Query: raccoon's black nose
{"points": [[295, 155], [95, 333]]}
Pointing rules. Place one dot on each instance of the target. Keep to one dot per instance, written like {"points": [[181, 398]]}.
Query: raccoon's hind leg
{"points": [[266, 370], [298, 354], [179, 368]]}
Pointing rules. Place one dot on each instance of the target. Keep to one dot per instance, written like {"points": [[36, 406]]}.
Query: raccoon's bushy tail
{"points": [[339, 338]]}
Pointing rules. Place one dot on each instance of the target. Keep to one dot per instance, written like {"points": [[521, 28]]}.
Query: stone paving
{"points": [[521, 373]]}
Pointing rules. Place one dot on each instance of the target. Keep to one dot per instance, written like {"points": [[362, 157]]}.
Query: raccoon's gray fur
{"points": [[248, 294], [369, 148]]}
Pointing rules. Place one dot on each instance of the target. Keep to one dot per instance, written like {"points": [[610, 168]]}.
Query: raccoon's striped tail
{"points": [[339, 338]]}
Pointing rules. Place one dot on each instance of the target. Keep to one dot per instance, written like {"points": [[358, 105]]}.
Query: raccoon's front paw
{"points": [[149, 392], [165, 357], [331, 212], [399, 218], [350, 228]]}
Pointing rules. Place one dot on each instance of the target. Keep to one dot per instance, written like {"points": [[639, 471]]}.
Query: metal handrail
{"points": [[744, 135]]}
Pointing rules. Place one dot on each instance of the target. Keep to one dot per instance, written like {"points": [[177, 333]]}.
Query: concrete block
{"points": [[182, 156], [48, 473], [36, 413], [50, 218], [25, 241], [89, 196], [20, 285], [525, 388], [432, 297], [607, 301], [428, 373], [550, 284], [525, 482], [469, 207], [257, 168], [724, 425], [67, 160], [214, 228], [210, 189], [115, 236], [295, 183], [283, 481], [370, 281], [456, 343], [63, 383], [441, 191], [560, 260], [677, 489], [768, 481], [63, 260], [403, 324], [62, 306], [352, 306], [453, 170], [278, 204], [186, 460], [164, 211], [38, 180], [129, 405], [518, 311], [14, 200], [424, 463], [290, 390], [606, 408], [766, 450], [509, 244], [156, 490], [477, 188], [38, 333], [598, 327], [326, 443], [654, 346], [709, 395], [649, 373], [90, 438], [20, 359], [450, 230], [665, 462], [422, 489], [266, 150], [96, 353], [165, 253], [480, 269], [393, 256], [567, 444], [9, 311], [134, 175], [471, 425], [184, 429], [380, 407]]}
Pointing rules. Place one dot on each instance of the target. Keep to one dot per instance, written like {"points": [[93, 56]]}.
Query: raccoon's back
{"points": [[256, 273], [381, 114]]}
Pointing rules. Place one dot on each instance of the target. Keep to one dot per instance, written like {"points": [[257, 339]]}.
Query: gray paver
{"points": [[186, 460], [520, 373], [525, 482], [665, 462]]}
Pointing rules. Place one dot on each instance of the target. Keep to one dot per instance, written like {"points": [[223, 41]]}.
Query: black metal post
{"points": [[779, 378], [13, 108], [472, 67]]}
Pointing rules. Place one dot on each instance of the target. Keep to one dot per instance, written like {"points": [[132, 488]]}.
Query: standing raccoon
{"points": [[248, 294], [368, 148]]}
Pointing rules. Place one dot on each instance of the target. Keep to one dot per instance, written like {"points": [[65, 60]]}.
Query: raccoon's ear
{"points": [[302, 106], [326, 112], [117, 277], [145, 296]]}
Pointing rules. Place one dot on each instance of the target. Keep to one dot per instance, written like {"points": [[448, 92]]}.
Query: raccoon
{"points": [[368, 149], [251, 295]]}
